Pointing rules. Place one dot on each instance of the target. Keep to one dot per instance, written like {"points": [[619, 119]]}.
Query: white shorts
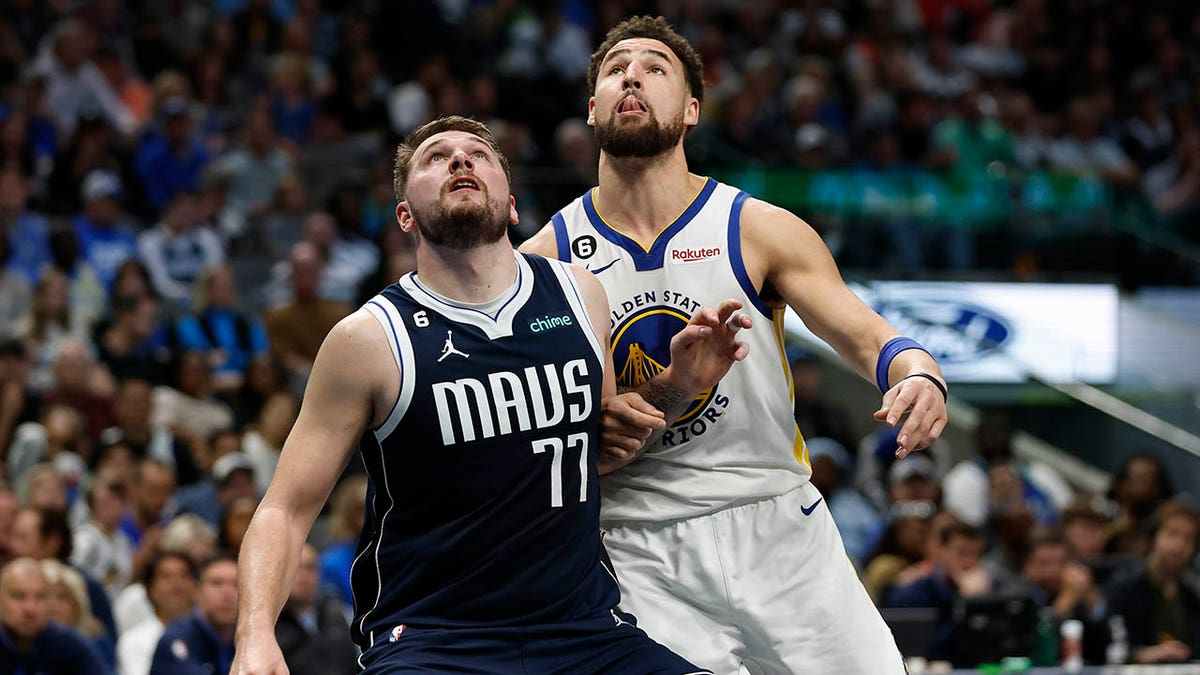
{"points": [[760, 588]]}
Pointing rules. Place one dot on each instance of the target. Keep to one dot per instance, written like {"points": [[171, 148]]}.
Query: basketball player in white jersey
{"points": [[723, 548]]}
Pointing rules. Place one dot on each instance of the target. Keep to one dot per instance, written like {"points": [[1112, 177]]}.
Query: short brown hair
{"points": [[654, 28], [1179, 507], [404, 154]]}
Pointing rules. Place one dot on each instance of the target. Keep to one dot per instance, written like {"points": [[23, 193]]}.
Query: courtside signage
{"points": [[998, 332]]}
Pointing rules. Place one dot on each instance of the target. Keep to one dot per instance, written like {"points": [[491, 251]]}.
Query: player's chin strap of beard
{"points": [[889, 352]]}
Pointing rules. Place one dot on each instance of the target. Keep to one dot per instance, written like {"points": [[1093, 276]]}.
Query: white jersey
{"points": [[738, 442]]}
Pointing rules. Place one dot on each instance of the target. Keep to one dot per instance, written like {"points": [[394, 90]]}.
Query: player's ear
{"points": [[691, 113], [591, 120], [513, 218], [404, 216]]}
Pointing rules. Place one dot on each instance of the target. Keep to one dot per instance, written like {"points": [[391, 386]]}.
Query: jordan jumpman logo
{"points": [[448, 348]]}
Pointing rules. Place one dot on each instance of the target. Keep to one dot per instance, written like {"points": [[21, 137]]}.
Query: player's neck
{"points": [[641, 196], [472, 275]]}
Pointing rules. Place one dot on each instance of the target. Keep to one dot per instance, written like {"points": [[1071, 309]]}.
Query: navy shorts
{"points": [[612, 645]]}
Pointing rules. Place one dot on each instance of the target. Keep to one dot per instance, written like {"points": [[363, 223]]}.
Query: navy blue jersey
{"points": [[483, 508]]}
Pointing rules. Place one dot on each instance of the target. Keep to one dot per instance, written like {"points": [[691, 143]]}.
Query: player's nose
{"points": [[461, 160]]}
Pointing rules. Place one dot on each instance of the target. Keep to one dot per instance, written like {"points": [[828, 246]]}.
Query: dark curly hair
{"points": [[655, 28]]}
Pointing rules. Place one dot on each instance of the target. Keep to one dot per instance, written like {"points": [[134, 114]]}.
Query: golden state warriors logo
{"points": [[641, 349]]}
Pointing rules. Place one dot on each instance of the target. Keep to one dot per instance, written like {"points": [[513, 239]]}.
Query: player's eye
{"points": [[436, 157], [658, 70], [616, 70], [479, 154]]}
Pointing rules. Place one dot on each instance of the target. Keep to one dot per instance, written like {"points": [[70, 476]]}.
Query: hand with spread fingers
{"points": [[701, 354], [921, 405], [707, 347]]}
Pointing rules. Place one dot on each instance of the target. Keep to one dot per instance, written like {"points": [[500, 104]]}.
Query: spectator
{"points": [[1148, 136], [857, 521], [346, 521], [1085, 529], [28, 233], [134, 409], [255, 168], [1139, 487], [185, 535], [170, 583], [264, 442], [80, 383], [1161, 610], [902, 545], [56, 439], [104, 237], [814, 417], [151, 506], [914, 479], [30, 642], [230, 338], [190, 409], [1173, 185], [1084, 151], [966, 485], [1056, 579], [958, 574], [179, 250], [16, 298], [232, 479], [312, 630], [204, 638], [296, 330], [135, 345], [45, 489], [264, 377], [174, 161], [17, 403], [8, 511], [45, 535], [100, 547], [131, 90], [283, 223], [68, 605], [93, 147], [235, 521], [132, 280], [73, 82], [293, 108], [359, 104]]}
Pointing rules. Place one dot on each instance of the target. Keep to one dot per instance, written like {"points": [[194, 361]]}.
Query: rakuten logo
{"points": [[691, 255]]}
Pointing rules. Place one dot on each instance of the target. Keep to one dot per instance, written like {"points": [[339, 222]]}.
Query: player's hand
{"points": [[626, 421], [707, 347], [921, 400], [258, 657]]}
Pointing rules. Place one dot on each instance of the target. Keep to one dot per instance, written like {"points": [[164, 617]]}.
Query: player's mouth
{"points": [[464, 183], [631, 106]]}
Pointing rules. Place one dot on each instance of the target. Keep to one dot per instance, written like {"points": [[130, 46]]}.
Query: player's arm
{"points": [[630, 405], [787, 259], [544, 243], [339, 404]]}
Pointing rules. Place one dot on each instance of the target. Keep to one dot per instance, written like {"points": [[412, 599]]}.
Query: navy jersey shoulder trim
{"points": [[652, 258], [735, 255]]}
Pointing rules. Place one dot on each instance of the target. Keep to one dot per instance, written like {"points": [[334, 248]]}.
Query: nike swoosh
{"points": [[598, 270], [808, 511]]}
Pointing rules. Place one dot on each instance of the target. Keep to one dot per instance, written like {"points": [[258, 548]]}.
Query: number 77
{"points": [[556, 478]]}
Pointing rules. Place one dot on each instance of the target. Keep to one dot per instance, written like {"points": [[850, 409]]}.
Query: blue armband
{"points": [[889, 352]]}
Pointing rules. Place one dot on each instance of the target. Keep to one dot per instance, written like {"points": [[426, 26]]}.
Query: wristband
{"points": [[889, 352], [936, 382]]}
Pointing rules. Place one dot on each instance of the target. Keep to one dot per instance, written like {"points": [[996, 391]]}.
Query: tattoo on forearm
{"points": [[667, 398]]}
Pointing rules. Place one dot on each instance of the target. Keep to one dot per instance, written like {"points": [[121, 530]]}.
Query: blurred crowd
{"points": [[192, 193], [1002, 548]]}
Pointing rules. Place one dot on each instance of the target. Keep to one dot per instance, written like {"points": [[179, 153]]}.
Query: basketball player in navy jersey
{"points": [[476, 387], [724, 548]]}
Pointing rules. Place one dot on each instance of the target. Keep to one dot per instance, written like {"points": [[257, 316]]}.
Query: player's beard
{"points": [[650, 139], [462, 225]]}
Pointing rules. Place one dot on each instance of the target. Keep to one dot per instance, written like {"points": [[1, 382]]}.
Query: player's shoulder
{"points": [[361, 329]]}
